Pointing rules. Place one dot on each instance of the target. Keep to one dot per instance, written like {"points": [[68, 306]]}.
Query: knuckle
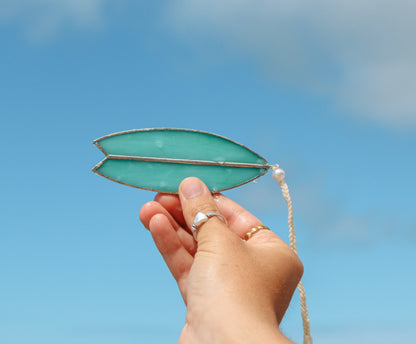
{"points": [[204, 206], [295, 263]]}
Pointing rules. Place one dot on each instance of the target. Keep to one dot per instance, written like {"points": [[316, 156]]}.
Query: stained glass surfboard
{"points": [[159, 159]]}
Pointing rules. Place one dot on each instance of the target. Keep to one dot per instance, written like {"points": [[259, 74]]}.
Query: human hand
{"points": [[235, 291]]}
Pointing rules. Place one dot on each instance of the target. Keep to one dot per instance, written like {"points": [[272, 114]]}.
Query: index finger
{"points": [[240, 221]]}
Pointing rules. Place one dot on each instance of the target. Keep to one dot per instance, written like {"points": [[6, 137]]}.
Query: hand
{"points": [[235, 291]]}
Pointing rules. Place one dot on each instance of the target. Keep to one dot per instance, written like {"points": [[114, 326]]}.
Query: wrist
{"points": [[229, 327]]}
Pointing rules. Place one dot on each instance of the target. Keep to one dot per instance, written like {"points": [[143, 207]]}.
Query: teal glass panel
{"points": [[178, 144], [166, 177], [201, 156]]}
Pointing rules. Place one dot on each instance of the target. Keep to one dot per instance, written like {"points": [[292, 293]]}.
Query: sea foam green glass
{"points": [[176, 144]]}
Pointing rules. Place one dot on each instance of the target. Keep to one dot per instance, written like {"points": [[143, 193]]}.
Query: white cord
{"points": [[279, 176]]}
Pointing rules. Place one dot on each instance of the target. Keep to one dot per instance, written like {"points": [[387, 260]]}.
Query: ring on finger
{"points": [[200, 219], [253, 231]]}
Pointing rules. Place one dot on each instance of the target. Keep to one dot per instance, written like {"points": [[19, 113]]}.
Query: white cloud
{"points": [[360, 52], [43, 19]]}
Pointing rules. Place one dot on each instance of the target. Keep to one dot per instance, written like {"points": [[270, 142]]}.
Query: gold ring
{"points": [[253, 231]]}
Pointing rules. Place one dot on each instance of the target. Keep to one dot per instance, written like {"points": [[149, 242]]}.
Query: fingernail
{"points": [[191, 187]]}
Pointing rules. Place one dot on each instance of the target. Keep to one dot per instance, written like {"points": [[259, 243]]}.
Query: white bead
{"points": [[278, 174]]}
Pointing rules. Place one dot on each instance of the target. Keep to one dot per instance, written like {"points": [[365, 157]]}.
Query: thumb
{"points": [[196, 198]]}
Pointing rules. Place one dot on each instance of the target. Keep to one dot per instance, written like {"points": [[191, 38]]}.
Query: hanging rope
{"points": [[279, 176]]}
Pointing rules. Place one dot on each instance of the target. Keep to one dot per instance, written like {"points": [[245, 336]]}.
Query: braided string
{"points": [[279, 176]]}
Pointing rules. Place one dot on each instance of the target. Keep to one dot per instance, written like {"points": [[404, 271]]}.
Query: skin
{"points": [[235, 291]]}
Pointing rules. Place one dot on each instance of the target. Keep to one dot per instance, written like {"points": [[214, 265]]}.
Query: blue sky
{"points": [[325, 90]]}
